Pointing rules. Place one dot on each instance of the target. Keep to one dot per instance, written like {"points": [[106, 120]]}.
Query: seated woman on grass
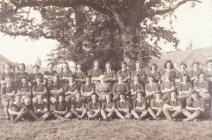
{"points": [[172, 107], [61, 108], [155, 107], [108, 107], [26, 112], [8, 91], [136, 87], [201, 86], [14, 107], [123, 107], [78, 107], [194, 109], [41, 108], [139, 110], [185, 89], [39, 89], [24, 89], [167, 87], [93, 107]]}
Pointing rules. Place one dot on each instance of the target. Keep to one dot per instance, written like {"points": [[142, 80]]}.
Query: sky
{"points": [[192, 25]]}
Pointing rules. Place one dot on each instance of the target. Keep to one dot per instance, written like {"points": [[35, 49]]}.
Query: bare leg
{"points": [[33, 115], [135, 114], [166, 112], [119, 114], [103, 113], [20, 115], [68, 115], [193, 116], [176, 113], [151, 112], [160, 110], [6, 112], [186, 113], [45, 116], [144, 114], [59, 117], [110, 114]]}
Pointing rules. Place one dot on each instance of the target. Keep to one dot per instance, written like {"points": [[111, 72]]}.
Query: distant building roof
{"points": [[188, 57], [4, 60]]}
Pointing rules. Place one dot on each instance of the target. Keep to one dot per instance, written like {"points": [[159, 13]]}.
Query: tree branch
{"points": [[164, 11], [61, 3]]}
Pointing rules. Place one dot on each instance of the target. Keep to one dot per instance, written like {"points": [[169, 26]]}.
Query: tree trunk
{"points": [[128, 45]]}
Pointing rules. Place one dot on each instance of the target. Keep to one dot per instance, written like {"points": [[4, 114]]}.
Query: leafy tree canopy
{"points": [[110, 30]]}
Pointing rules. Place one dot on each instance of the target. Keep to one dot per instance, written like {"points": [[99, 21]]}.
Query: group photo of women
{"points": [[180, 93]]}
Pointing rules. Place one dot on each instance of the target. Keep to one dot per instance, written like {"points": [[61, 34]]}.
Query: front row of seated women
{"points": [[103, 101]]}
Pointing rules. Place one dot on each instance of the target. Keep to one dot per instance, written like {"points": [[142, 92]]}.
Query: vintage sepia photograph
{"points": [[105, 69]]}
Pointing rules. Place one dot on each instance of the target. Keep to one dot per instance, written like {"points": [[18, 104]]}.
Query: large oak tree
{"points": [[92, 29]]}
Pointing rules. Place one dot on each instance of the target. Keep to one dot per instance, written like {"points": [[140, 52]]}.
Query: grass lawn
{"points": [[101, 130]]}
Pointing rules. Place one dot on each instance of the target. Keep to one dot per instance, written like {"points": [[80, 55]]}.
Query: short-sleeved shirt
{"points": [[156, 75], [87, 88], [39, 88], [55, 86], [137, 103], [179, 74], [125, 73], [110, 105], [60, 106], [167, 85], [52, 73], [95, 72], [21, 75], [153, 103], [103, 88], [79, 75], [173, 103], [93, 106], [7, 75], [24, 88], [33, 77], [185, 87], [172, 75], [65, 74], [77, 104], [40, 106], [8, 89], [151, 88], [15, 107], [140, 73], [121, 89], [136, 87], [71, 88], [123, 105], [30, 106], [208, 75], [203, 84], [110, 74], [193, 73], [199, 103]]}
